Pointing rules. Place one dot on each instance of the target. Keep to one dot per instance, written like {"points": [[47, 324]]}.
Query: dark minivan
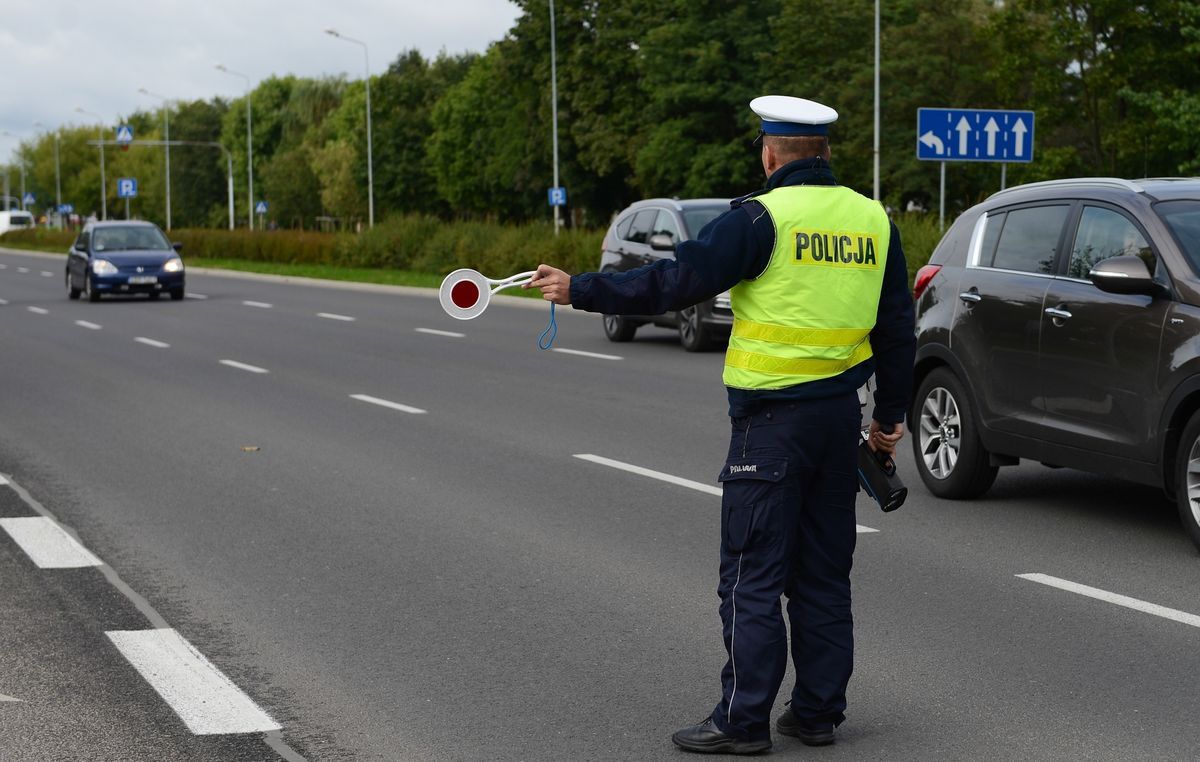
{"points": [[1060, 322], [123, 258]]}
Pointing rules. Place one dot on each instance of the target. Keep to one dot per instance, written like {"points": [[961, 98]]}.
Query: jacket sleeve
{"points": [[893, 339], [727, 250]]}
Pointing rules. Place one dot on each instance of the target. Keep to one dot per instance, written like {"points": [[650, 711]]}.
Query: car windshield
{"points": [[120, 238], [21, 220], [697, 218], [1183, 217]]}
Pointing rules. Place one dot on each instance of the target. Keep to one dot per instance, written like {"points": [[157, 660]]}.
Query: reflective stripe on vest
{"points": [[807, 317]]}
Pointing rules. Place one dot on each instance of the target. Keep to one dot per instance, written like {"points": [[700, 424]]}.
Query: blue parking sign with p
{"points": [[127, 187], [557, 196]]}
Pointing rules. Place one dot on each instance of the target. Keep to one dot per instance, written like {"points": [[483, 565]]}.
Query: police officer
{"points": [[820, 299]]}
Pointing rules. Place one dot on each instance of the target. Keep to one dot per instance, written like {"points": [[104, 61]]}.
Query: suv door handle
{"points": [[970, 297], [1057, 314]]}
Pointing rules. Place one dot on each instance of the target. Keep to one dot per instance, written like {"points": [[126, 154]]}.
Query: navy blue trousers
{"points": [[788, 529]]}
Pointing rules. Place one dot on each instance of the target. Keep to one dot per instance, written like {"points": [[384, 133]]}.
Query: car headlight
{"points": [[103, 267], [173, 265]]}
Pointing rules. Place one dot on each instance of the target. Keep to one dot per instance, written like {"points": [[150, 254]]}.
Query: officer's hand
{"points": [[554, 283], [881, 442]]}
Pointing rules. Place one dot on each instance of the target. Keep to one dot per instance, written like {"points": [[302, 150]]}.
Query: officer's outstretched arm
{"points": [[554, 283]]}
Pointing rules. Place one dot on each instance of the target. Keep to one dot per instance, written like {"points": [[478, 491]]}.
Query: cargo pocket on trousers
{"points": [[750, 484]]}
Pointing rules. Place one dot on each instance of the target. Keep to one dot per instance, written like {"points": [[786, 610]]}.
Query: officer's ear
{"points": [[770, 158]]}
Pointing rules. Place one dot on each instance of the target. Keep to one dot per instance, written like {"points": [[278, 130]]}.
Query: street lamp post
{"points": [[103, 180], [166, 142], [876, 138], [370, 164], [57, 177], [22, 165], [249, 146], [554, 106]]}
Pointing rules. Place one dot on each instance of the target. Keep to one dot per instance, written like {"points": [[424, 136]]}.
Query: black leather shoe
{"points": [[818, 735], [708, 739]]}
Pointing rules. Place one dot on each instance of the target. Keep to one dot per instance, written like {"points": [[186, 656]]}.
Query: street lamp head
{"points": [[332, 32], [143, 91], [220, 67]]}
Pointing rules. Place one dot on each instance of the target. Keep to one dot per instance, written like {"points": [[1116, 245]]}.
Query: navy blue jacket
{"points": [[737, 246]]}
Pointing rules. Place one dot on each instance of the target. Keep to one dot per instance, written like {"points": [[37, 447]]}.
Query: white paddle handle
{"points": [[520, 279]]}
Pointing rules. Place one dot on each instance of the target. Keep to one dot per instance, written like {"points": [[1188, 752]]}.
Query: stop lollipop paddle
{"points": [[465, 294]]}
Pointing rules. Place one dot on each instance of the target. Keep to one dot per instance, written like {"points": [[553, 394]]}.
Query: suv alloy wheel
{"points": [[950, 458]]}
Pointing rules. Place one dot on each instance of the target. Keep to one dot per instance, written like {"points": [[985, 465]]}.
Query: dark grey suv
{"points": [[646, 231], [1060, 322]]}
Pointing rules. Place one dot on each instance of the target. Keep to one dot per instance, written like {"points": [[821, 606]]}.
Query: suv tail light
{"points": [[924, 275]]}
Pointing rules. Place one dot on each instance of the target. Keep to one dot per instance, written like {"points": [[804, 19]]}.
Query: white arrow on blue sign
{"points": [[557, 196], [127, 187], [955, 134], [66, 208], [124, 134], [260, 207]]}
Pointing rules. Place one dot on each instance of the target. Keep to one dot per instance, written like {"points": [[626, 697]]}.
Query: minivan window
{"points": [[1105, 233], [696, 219], [623, 227], [640, 232], [1183, 218], [1029, 240]]}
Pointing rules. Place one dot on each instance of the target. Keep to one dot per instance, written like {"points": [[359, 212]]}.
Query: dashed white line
{"points": [[708, 489], [3, 301], [260, 305], [22, 269], [435, 332], [87, 324], [47, 274], [1114, 598], [48, 544], [387, 403], [332, 316], [151, 342], [244, 366], [204, 698], [596, 355], [38, 310], [190, 295], [3, 267]]}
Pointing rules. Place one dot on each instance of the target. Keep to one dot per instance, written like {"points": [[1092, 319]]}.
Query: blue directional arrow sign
{"points": [[955, 134], [125, 134], [66, 209], [127, 187]]}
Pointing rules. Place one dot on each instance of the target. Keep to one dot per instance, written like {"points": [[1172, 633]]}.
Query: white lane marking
{"points": [[332, 316], [387, 403], [190, 295], [260, 305], [86, 324], [38, 310], [1114, 598], [9, 698], [244, 366], [47, 274], [48, 544], [22, 269], [3, 481], [596, 355], [3, 267], [204, 698], [151, 342], [435, 332], [698, 486], [3, 301]]}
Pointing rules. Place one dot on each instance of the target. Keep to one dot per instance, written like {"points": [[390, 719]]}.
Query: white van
{"points": [[15, 220]]}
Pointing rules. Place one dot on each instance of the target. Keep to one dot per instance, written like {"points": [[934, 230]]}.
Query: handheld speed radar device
{"points": [[877, 474]]}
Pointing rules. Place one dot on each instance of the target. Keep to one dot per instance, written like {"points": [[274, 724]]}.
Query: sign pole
{"points": [[554, 106], [942, 200], [1003, 171], [127, 207]]}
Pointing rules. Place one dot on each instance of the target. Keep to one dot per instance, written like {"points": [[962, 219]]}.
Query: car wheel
{"points": [[1187, 479], [692, 334], [177, 294], [950, 456], [72, 292], [92, 294], [618, 328]]}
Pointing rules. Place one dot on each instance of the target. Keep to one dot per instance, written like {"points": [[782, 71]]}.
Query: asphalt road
{"points": [[457, 584]]}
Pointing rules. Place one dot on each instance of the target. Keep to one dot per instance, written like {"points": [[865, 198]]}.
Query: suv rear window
{"points": [[640, 232], [1029, 239], [1183, 218]]}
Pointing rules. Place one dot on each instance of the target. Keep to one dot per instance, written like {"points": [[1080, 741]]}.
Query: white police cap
{"points": [[785, 115]]}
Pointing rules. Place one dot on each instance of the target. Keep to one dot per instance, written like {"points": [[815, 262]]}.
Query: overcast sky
{"points": [[94, 54]]}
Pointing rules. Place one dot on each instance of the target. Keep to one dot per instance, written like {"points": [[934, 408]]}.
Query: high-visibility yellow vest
{"points": [[808, 315]]}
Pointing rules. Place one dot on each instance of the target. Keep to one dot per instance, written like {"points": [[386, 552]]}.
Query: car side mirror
{"points": [[1123, 275], [177, 246], [662, 242]]}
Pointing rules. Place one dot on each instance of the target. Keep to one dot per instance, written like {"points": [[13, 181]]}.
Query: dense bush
{"points": [[425, 244]]}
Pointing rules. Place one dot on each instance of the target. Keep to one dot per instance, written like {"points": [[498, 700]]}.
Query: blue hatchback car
{"points": [[123, 258]]}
